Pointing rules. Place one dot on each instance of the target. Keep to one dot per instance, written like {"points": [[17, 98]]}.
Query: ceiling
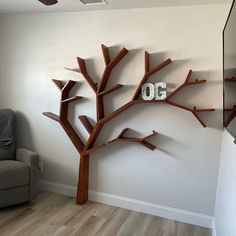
{"points": [[27, 6]]}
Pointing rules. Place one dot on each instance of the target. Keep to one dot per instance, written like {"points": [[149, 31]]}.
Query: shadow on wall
{"points": [[215, 119], [61, 172], [23, 133]]}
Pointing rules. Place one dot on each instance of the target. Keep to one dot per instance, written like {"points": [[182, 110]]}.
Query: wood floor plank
{"points": [[53, 214], [151, 226], [169, 227], [64, 231], [200, 231], [82, 215], [43, 216], [105, 211], [114, 223], [11, 225], [131, 224], [65, 213], [29, 226], [10, 212], [44, 230], [44, 200], [90, 227]]}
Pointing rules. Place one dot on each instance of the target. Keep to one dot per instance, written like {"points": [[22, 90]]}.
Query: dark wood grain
{"points": [[109, 68], [58, 83], [52, 116], [84, 72], [112, 89], [48, 2], [83, 180], [232, 79], [231, 116], [71, 99], [143, 141], [85, 121]]}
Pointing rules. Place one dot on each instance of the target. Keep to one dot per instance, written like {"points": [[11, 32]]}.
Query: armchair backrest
{"points": [[7, 142]]}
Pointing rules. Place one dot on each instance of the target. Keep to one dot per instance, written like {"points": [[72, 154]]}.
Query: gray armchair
{"points": [[18, 168]]}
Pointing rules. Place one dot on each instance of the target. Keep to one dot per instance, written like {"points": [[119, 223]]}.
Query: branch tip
{"points": [[52, 116], [112, 89], [86, 123], [68, 86], [71, 99], [188, 76], [83, 70], [106, 54], [58, 83], [147, 62]]}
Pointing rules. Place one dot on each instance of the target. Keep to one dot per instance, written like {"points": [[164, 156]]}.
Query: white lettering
{"points": [[148, 91], [157, 91], [160, 93]]}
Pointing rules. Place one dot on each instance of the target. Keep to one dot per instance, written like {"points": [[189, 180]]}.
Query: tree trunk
{"points": [[82, 187]]}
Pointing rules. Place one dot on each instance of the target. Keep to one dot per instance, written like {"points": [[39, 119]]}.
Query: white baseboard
{"points": [[133, 204], [57, 188], [213, 227]]}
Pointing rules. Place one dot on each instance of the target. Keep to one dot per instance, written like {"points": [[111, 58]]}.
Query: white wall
{"points": [[182, 172], [225, 211]]}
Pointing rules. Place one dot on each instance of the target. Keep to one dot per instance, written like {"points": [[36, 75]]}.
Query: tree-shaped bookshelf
{"points": [[101, 91]]}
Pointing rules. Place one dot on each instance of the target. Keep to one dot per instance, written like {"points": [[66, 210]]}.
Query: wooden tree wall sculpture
{"points": [[101, 91]]}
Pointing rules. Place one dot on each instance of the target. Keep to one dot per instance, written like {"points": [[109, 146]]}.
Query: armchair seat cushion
{"points": [[13, 174]]}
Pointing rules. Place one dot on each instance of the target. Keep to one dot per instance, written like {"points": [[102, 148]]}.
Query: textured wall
{"points": [[182, 172]]}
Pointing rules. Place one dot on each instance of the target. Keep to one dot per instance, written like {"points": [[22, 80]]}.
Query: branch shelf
{"points": [[100, 90], [232, 79], [143, 141], [231, 116]]}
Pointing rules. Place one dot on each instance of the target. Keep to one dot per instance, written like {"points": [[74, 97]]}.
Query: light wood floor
{"points": [[56, 215]]}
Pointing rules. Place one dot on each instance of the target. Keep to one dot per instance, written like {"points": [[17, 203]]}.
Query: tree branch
{"points": [[231, 117], [52, 116], [110, 66], [74, 137], [159, 67], [84, 72], [58, 83], [194, 111], [85, 121], [186, 83], [68, 86], [62, 118], [72, 99], [148, 73], [199, 119], [106, 55], [112, 89], [116, 112], [123, 132], [188, 76], [147, 62], [232, 79], [167, 100], [143, 141]]}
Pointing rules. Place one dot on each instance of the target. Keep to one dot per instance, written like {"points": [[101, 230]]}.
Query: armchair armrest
{"points": [[31, 159]]}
